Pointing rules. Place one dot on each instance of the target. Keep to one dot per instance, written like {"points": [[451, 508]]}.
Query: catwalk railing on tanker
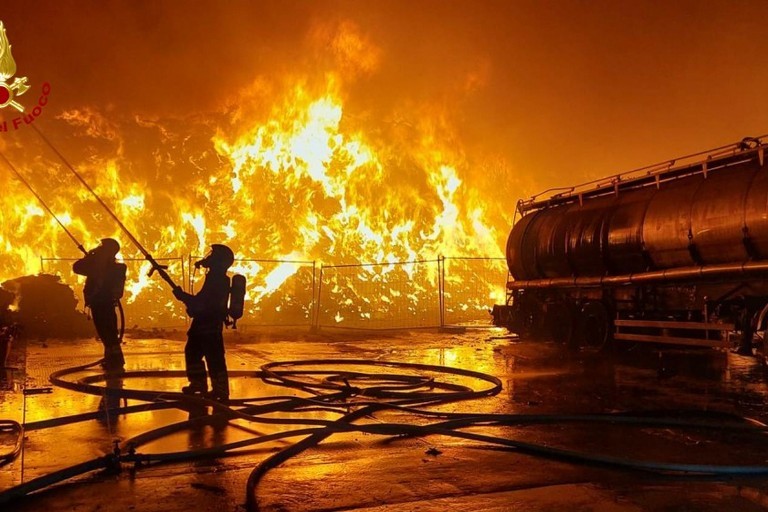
{"points": [[427, 293]]}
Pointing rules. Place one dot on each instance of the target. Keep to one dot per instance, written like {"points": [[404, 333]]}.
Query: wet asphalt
{"points": [[714, 393]]}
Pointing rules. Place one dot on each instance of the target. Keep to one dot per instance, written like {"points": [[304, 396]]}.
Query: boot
{"points": [[220, 385], [195, 388], [219, 397]]}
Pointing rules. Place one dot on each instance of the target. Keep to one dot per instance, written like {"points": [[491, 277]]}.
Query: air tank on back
{"points": [[716, 213]]}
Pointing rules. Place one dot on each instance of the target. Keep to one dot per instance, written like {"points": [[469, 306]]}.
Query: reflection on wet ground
{"points": [[363, 470]]}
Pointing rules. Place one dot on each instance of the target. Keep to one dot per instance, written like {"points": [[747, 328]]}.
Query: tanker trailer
{"points": [[673, 253]]}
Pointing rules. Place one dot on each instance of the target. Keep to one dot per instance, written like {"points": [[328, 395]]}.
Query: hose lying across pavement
{"points": [[17, 430], [352, 395]]}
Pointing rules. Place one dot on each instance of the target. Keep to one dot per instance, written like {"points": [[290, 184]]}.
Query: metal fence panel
{"points": [[425, 293], [278, 292], [379, 296], [471, 286]]}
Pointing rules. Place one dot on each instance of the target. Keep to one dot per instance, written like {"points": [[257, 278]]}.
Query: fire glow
{"points": [[295, 180]]}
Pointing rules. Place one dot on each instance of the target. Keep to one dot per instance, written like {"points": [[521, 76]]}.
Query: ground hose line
{"points": [[86, 416], [251, 498], [399, 430], [270, 376], [506, 419], [53, 478], [14, 427], [352, 395], [276, 377]]}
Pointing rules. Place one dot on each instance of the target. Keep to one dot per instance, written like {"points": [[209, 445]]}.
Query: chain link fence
{"points": [[471, 286], [278, 292], [399, 295], [379, 295]]}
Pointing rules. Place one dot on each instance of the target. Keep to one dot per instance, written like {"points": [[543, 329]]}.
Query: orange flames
{"points": [[284, 174]]}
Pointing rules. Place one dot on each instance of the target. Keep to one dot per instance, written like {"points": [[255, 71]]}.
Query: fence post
{"points": [[314, 299], [189, 276], [316, 323], [441, 288], [183, 275]]}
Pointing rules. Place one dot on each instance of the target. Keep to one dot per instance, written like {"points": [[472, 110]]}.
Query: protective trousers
{"points": [[208, 345], [105, 321]]}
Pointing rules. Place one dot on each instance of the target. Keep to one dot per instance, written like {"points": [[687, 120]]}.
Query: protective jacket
{"points": [[105, 279], [208, 307]]}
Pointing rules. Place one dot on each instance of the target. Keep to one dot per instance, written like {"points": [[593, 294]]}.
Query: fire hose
{"points": [[156, 267], [15, 429], [118, 305], [353, 395]]}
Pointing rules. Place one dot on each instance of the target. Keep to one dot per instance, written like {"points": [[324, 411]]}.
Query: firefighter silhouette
{"points": [[208, 309], [104, 283]]}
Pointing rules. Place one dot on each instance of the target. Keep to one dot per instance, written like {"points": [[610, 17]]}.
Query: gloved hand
{"points": [[179, 293]]}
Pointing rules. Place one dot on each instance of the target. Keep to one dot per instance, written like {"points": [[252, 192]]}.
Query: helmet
{"points": [[110, 246], [220, 256]]}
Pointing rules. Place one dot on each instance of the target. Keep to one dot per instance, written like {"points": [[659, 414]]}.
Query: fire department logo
{"points": [[9, 91]]}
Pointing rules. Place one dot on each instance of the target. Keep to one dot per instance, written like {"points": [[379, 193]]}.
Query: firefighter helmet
{"points": [[220, 256], [110, 246]]}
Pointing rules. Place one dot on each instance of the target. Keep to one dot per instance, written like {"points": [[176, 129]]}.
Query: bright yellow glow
{"points": [[293, 176]]}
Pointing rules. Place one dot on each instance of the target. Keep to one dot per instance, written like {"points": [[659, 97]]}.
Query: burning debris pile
{"points": [[44, 307], [7, 326], [283, 172]]}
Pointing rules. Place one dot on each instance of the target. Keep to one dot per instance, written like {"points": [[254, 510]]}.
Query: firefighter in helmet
{"points": [[104, 284], [208, 309]]}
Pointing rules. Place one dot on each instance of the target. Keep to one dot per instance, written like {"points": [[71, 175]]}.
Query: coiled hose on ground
{"points": [[352, 395]]}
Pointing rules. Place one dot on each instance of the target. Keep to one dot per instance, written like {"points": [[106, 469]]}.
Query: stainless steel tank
{"points": [[626, 252], [719, 216], [667, 224], [714, 217]]}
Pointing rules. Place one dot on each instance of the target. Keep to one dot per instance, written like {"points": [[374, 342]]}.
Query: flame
{"points": [[7, 64], [294, 179]]}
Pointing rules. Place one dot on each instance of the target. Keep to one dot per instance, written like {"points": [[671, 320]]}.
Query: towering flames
{"points": [[283, 172]]}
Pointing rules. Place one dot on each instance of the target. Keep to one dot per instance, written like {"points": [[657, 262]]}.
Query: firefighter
{"points": [[104, 283], [208, 309]]}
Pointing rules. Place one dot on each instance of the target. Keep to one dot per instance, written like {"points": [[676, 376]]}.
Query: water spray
{"points": [[156, 267]]}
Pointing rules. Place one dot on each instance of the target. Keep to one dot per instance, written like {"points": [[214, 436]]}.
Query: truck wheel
{"points": [[594, 325]]}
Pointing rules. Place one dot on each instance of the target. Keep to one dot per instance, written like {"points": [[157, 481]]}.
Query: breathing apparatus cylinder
{"points": [[115, 279], [221, 257], [117, 282], [236, 299]]}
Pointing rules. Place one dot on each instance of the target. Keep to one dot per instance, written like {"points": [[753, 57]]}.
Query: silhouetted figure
{"points": [[7, 333], [104, 283], [208, 309]]}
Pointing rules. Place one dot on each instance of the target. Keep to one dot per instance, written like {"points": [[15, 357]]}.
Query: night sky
{"points": [[560, 91]]}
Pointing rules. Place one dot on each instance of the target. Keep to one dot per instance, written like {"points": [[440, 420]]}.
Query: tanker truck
{"points": [[673, 253]]}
